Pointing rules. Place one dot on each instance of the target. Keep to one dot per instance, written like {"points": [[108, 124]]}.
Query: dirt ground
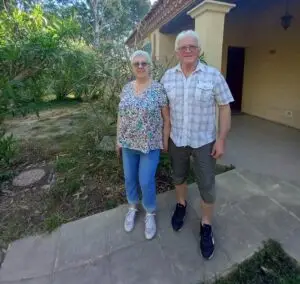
{"points": [[50, 123]]}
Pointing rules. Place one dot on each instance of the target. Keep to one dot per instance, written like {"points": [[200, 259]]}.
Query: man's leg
{"points": [[180, 161], [204, 168], [207, 212], [181, 193]]}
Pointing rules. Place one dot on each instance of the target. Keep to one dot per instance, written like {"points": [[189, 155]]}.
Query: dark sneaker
{"points": [[207, 243], [178, 216]]}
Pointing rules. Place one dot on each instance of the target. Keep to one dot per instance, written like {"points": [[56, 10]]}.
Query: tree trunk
{"points": [[94, 5], [97, 28]]}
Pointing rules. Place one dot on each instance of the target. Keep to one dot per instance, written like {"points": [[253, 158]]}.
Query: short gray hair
{"points": [[188, 33], [141, 53]]}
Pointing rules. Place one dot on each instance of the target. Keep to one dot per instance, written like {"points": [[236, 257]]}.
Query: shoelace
{"points": [[206, 235], [148, 219], [130, 213], [180, 211]]}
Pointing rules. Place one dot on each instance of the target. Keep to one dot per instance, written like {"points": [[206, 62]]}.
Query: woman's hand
{"points": [[118, 151], [166, 128], [166, 147]]}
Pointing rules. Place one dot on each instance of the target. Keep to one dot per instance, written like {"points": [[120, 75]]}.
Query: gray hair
{"points": [[188, 33], [141, 53]]}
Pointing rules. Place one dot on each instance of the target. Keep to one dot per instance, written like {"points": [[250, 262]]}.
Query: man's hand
{"points": [[218, 149]]}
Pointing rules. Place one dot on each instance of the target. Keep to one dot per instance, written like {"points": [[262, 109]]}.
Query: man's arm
{"points": [[224, 121], [223, 97]]}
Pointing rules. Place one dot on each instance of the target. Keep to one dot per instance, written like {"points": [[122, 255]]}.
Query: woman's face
{"points": [[140, 67]]}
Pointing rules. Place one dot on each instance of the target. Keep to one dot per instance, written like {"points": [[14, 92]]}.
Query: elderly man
{"points": [[194, 89]]}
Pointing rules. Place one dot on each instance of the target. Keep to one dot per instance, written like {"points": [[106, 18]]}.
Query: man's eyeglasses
{"points": [[187, 47], [140, 64]]}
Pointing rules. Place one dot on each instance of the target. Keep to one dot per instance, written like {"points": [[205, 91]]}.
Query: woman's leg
{"points": [[131, 161], [131, 167], [147, 170]]}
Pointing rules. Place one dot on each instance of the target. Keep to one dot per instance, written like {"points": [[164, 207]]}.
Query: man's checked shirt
{"points": [[193, 103]]}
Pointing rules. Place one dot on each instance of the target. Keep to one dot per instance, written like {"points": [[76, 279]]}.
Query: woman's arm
{"points": [[118, 148], [165, 111]]}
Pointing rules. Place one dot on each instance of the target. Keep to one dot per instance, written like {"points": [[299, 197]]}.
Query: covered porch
{"points": [[256, 49], [264, 147]]}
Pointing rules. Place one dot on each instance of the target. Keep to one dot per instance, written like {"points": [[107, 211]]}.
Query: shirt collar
{"points": [[200, 67]]}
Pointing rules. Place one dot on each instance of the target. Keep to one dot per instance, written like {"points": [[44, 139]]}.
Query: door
{"points": [[235, 75]]}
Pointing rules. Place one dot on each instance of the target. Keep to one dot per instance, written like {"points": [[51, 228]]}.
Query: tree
{"points": [[101, 20], [30, 43]]}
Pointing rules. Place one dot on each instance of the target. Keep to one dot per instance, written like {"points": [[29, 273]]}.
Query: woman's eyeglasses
{"points": [[140, 64]]}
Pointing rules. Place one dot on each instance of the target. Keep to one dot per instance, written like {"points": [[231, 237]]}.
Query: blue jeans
{"points": [[140, 168]]}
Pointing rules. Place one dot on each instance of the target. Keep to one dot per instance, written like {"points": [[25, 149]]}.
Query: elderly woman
{"points": [[143, 130]]}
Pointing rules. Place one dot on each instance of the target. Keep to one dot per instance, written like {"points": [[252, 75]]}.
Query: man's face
{"points": [[188, 51]]}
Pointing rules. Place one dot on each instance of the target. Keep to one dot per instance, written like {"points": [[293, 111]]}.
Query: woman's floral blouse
{"points": [[141, 123]]}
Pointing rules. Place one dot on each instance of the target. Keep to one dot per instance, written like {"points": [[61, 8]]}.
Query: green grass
{"points": [[53, 221], [270, 265]]}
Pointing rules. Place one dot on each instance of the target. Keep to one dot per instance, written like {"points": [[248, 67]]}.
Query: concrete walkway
{"points": [[264, 147], [251, 208]]}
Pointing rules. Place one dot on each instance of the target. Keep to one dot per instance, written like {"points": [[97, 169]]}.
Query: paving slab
{"points": [[144, 263], [182, 248], [39, 280], [292, 244], [92, 273], [268, 217], [82, 241], [287, 196], [217, 266], [236, 235], [29, 258], [284, 192]]}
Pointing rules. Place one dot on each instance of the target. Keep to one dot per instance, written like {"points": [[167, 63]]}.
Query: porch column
{"points": [[209, 24], [162, 46]]}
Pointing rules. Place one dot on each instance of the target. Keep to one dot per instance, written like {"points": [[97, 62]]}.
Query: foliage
{"points": [[30, 44], [269, 265], [53, 221], [7, 149], [202, 59], [112, 20]]}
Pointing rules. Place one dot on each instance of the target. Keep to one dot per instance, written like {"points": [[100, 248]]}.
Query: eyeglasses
{"points": [[187, 47], [138, 64]]}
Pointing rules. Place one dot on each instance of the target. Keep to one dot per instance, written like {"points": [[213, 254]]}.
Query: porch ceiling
{"points": [[163, 12]]}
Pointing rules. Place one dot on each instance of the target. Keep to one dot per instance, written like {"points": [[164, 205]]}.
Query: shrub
{"points": [[7, 150]]}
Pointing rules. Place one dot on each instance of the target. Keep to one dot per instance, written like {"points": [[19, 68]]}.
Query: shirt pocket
{"points": [[204, 92]]}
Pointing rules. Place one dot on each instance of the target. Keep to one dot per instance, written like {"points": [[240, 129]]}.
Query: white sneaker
{"points": [[130, 219], [150, 226]]}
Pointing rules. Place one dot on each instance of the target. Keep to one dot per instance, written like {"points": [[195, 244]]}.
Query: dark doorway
{"points": [[235, 75]]}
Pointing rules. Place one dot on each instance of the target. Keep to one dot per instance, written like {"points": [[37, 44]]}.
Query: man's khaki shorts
{"points": [[203, 165]]}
